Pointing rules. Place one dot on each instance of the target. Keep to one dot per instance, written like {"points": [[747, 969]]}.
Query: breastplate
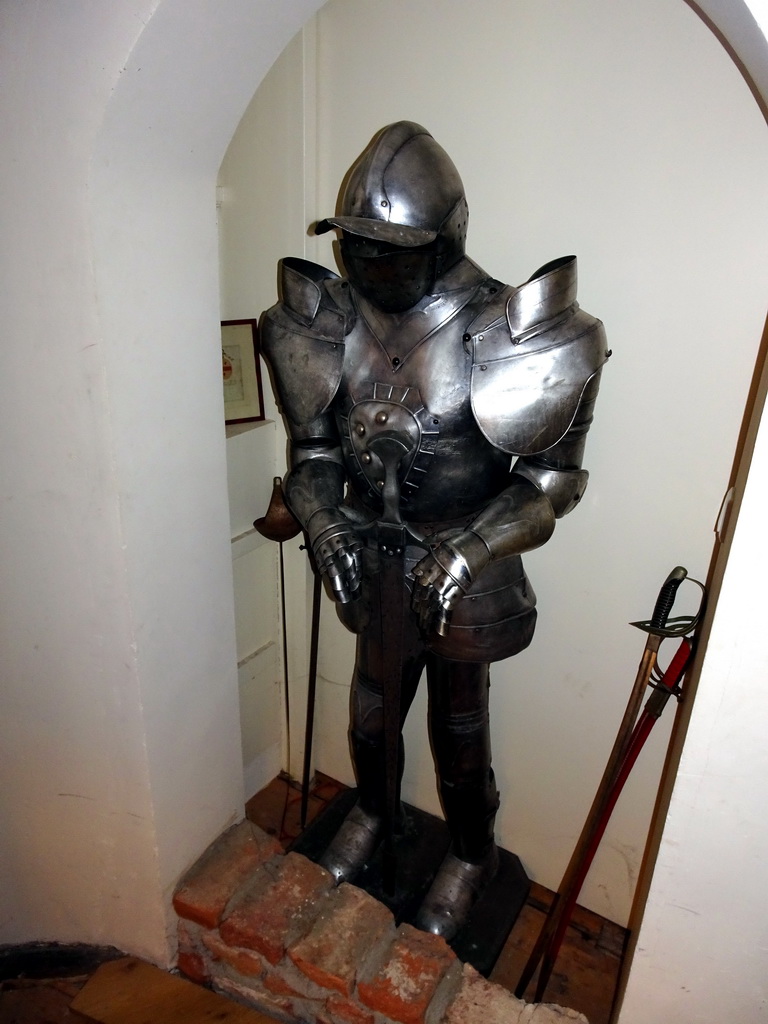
{"points": [[408, 378]]}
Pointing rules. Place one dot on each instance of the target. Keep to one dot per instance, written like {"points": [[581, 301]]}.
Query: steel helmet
{"points": [[403, 216]]}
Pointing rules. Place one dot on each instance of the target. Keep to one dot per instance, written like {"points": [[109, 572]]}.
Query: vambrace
{"points": [[317, 477], [314, 490], [313, 486], [519, 519]]}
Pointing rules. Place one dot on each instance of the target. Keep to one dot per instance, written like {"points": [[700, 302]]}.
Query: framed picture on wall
{"points": [[243, 396]]}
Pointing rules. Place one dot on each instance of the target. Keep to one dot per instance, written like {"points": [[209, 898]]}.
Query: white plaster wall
{"points": [[120, 718], [76, 801], [702, 953], [250, 468], [623, 133], [262, 187]]}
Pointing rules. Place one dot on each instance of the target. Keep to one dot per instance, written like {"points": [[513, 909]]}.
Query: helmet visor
{"points": [[391, 278]]}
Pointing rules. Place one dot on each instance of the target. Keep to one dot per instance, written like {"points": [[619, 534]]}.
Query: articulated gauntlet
{"points": [[314, 490], [519, 519]]}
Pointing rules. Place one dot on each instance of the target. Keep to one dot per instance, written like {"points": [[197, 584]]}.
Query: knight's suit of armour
{"points": [[437, 420]]}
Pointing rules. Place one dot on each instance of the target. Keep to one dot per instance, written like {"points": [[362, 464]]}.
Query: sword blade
{"points": [[392, 567]]}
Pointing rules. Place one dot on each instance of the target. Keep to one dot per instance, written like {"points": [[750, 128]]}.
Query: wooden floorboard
{"points": [[129, 991], [587, 969]]}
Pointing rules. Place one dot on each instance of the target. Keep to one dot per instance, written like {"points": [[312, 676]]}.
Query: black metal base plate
{"points": [[420, 847]]}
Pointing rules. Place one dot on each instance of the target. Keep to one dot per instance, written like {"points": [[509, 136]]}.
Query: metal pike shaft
{"points": [[311, 696]]}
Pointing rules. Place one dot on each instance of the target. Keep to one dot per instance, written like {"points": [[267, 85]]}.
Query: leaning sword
{"points": [[658, 627]]}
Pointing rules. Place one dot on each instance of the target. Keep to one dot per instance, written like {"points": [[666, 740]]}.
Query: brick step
{"points": [[271, 929]]}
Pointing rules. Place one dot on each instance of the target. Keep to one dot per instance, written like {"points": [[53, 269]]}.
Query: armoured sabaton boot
{"points": [[353, 845], [471, 862], [362, 830]]}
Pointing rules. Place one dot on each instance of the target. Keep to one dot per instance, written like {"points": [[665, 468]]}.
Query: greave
{"points": [[361, 831], [369, 765], [470, 812]]}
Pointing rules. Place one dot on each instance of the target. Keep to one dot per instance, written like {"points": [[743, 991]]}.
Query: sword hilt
{"points": [[391, 448], [278, 523], [390, 529], [666, 597], [660, 624]]}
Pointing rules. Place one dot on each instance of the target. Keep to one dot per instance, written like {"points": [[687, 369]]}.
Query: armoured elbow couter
{"points": [[306, 453], [564, 488]]}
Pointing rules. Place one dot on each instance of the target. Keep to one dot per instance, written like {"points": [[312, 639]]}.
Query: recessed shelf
{"points": [[235, 429], [245, 542]]}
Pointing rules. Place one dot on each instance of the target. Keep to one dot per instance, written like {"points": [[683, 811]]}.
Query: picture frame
{"points": [[241, 372]]}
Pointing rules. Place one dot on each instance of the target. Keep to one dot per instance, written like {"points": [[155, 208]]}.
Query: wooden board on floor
{"points": [[587, 968], [128, 991]]}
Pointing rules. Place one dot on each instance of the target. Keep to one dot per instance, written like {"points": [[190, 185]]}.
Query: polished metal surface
{"points": [[454, 892], [563, 487], [404, 190], [531, 367], [353, 845], [403, 217], [438, 419]]}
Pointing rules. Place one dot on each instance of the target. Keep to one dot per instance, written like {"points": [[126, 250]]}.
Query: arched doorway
{"points": [[168, 194]]}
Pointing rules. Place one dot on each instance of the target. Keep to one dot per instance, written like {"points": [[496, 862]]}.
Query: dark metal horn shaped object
{"points": [[279, 523]]}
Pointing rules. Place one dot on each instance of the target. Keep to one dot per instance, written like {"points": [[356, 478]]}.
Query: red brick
{"points": [[244, 962], [292, 976], [347, 1012], [277, 908], [348, 927], [277, 985], [275, 1006], [407, 979], [209, 885], [194, 967], [481, 1002]]}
